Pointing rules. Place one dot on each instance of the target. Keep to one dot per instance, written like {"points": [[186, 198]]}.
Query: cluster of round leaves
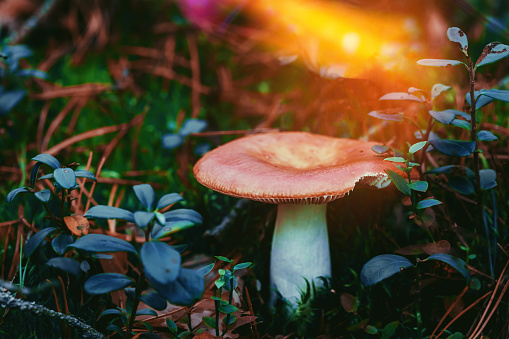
{"points": [[64, 178], [161, 262]]}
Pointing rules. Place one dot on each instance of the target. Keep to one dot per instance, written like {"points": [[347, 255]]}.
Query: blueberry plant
{"points": [[469, 181], [159, 264]]}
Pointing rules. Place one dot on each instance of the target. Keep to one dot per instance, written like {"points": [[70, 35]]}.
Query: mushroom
{"points": [[301, 172]]}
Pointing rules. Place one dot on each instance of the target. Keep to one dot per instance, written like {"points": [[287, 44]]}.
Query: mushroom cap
{"points": [[290, 167]]}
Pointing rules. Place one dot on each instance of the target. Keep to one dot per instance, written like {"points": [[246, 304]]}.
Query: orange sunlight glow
{"points": [[333, 33]]}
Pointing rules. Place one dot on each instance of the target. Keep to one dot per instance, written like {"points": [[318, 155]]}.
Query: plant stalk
{"points": [[230, 298], [137, 293], [473, 136]]}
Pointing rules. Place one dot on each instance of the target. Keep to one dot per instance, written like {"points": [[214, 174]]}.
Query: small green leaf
{"points": [[210, 322], [427, 203], [400, 183], [395, 159], [486, 136], [461, 124], [219, 283], [171, 326], [421, 186], [228, 309], [242, 266], [370, 329], [223, 258], [416, 147], [230, 319]]}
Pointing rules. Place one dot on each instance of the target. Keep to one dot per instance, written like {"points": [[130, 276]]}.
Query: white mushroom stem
{"points": [[300, 248]]}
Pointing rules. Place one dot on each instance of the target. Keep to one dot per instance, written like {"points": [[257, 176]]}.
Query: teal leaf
{"points": [[382, 267], [111, 311], [206, 269], [36, 240], [227, 309], [400, 182], [34, 172], [456, 263], [223, 258], [185, 290], [445, 117], [210, 322], [192, 126], [102, 256], [85, 266], [65, 177], [461, 124], [12, 194], [488, 179], [183, 214], [106, 282], [9, 99], [416, 147], [145, 194], [143, 219], [172, 326], [457, 35], [146, 311], [502, 95], [439, 62], [154, 300], [160, 218], [462, 185], [232, 319], [102, 243], [388, 117], [437, 89], [65, 264], [486, 136], [454, 148], [242, 266], [161, 262], [421, 186], [85, 174], [44, 195], [47, 176], [109, 212], [48, 160], [60, 242], [168, 199], [491, 53], [159, 231], [481, 99], [427, 203], [400, 96]]}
